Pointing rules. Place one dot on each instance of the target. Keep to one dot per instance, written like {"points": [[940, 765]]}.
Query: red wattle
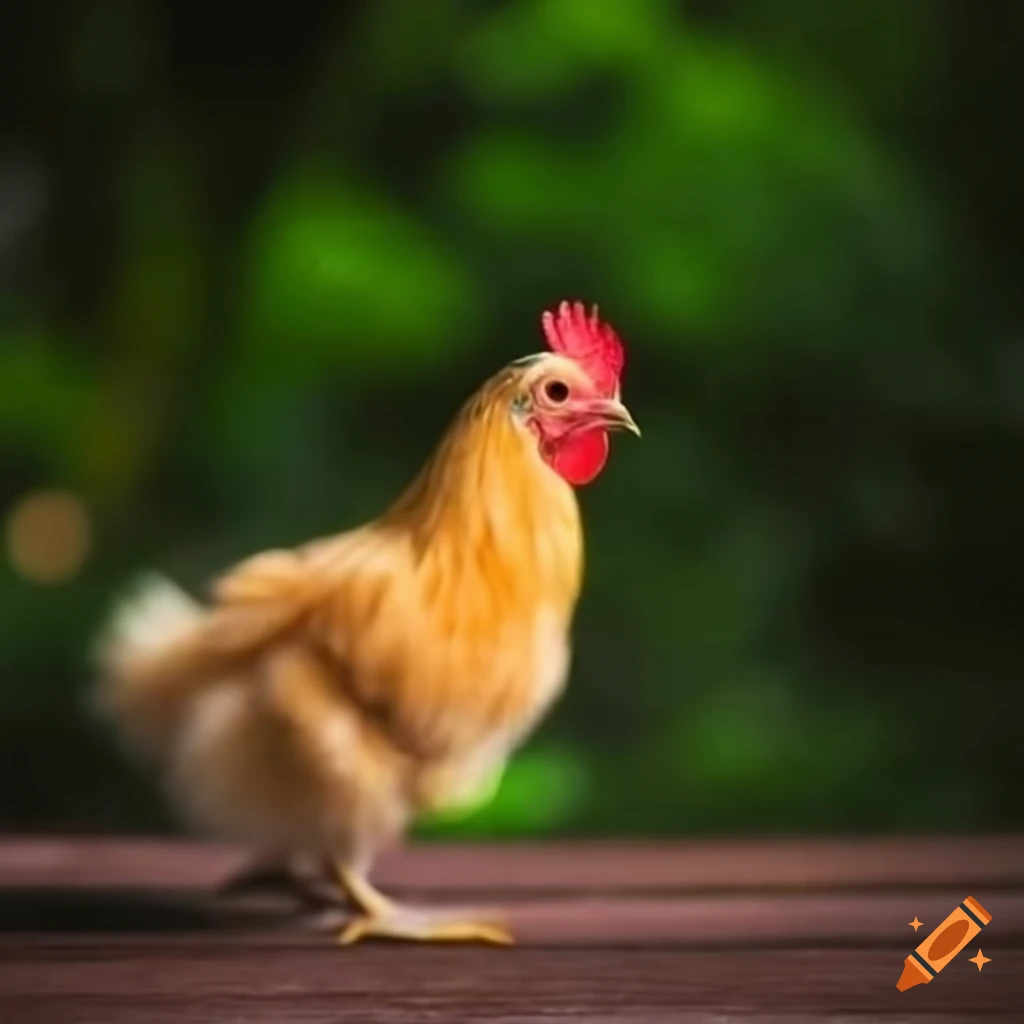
{"points": [[579, 459]]}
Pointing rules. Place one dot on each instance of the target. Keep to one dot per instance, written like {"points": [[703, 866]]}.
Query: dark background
{"points": [[251, 261]]}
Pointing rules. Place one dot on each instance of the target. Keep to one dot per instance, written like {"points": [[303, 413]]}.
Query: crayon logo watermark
{"points": [[944, 943]]}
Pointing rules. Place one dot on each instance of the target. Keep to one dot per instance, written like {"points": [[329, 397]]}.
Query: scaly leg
{"points": [[383, 918], [280, 874]]}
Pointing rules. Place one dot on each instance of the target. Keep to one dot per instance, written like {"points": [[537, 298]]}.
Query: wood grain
{"points": [[152, 982], [699, 865], [877, 919], [107, 931]]}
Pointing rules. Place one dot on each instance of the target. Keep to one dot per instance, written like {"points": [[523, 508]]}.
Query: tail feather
{"points": [[162, 649], [148, 625], [153, 613]]}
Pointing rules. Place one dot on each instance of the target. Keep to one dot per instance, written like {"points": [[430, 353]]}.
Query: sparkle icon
{"points": [[915, 924], [951, 936], [981, 960]]}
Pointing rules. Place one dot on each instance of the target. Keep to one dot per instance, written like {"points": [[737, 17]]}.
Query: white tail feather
{"points": [[153, 613]]}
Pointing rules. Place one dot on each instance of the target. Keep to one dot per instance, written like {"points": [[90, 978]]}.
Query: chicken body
{"points": [[327, 695]]}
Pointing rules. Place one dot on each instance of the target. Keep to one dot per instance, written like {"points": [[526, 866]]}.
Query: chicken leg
{"points": [[382, 918], [271, 874]]}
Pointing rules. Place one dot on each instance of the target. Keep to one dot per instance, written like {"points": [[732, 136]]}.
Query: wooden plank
{"points": [[150, 982], [105, 931], [691, 866], [739, 920]]}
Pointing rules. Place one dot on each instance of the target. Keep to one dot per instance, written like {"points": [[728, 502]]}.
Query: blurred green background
{"points": [[252, 261]]}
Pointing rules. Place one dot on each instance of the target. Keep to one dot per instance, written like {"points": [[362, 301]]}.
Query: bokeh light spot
{"points": [[48, 534]]}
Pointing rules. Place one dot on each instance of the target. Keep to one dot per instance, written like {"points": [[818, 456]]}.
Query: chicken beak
{"points": [[611, 413]]}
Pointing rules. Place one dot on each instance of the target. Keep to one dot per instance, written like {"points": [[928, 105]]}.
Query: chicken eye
{"points": [[556, 391]]}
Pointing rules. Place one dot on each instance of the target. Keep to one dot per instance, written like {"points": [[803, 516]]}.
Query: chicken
{"points": [[326, 696]]}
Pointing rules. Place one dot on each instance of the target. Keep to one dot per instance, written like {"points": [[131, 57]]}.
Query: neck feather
{"points": [[486, 502]]}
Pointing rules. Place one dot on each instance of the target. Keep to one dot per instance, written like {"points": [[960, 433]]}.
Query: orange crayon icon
{"points": [[943, 944]]}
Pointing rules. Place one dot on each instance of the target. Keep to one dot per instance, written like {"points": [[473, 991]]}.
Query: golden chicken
{"points": [[327, 695]]}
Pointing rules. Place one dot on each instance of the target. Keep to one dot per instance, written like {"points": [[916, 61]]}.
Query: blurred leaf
{"points": [[473, 803], [519, 185], [45, 393], [406, 44], [721, 176], [539, 49], [340, 278], [538, 791]]}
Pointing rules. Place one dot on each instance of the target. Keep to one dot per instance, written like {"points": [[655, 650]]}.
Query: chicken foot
{"points": [[383, 918]]}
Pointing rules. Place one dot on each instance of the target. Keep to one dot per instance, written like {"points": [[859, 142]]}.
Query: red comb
{"points": [[593, 344]]}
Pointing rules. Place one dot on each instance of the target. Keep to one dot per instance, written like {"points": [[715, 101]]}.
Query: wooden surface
{"points": [[106, 932]]}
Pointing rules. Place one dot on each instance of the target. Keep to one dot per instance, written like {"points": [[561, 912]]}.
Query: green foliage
{"points": [[46, 393], [342, 278], [281, 281], [537, 792]]}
